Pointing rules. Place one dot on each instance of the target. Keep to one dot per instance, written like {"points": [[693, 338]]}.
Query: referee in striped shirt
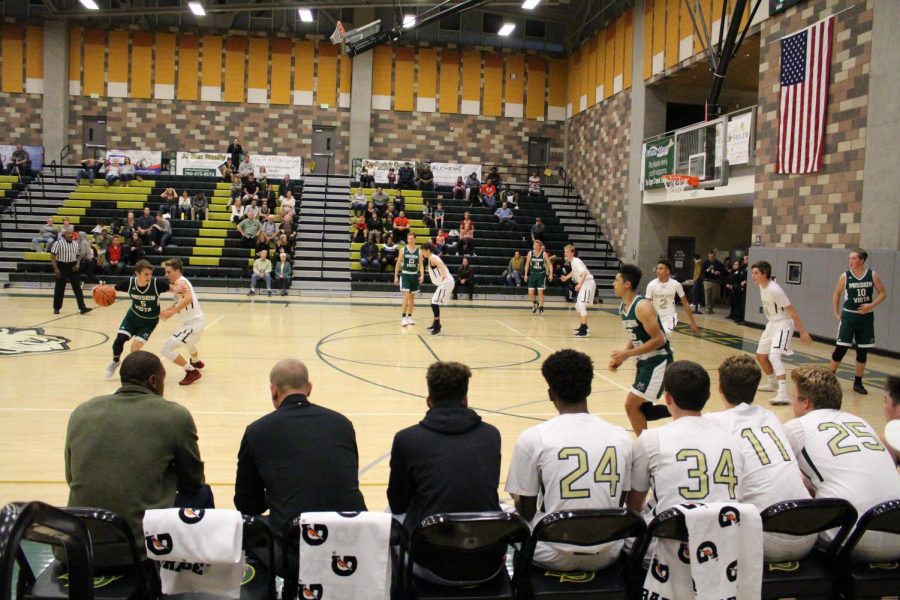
{"points": [[66, 260]]}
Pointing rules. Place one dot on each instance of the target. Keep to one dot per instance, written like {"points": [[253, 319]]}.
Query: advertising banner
{"points": [[278, 166], [446, 173], [144, 161], [35, 152], [738, 142], [379, 168], [659, 160], [208, 164]]}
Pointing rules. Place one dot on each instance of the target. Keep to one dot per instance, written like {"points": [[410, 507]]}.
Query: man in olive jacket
{"points": [[133, 450]]}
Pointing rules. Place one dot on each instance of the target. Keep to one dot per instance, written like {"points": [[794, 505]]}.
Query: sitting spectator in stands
{"points": [[249, 228], [489, 195], [465, 278], [288, 207], [115, 225], [262, 242], [161, 233], [283, 273], [270, 228], [366, 179], [510, 196], [494, 178], [236, 151], [392, 178], [358, 202], [380, 200], [263, 181], [374, 224], [252, 209], [262, 269], [237, 189], [169, 199], [237, 211], [19, 162], [88, 257], [389, 222], [427, 213], [112, 172], [134, 249], [115, 257], [184, 205], [467, 235], [89, 168], [425, 178], [459, 189], [126, 172], [515, 270], [287, 185], [399, 202], [407, 177], [102, 240], [251, 189], [359, 229], [133, 450], [287, 229], [246, 168], [66, 226], [281, 246], [368, 255], [226, 170], [389, 253], [47, 234], [473, 189], [505, 217], [400, 226], [534, 184], [440, 242], [439, 215], [199, 206], [538, 229], [144, 224]]}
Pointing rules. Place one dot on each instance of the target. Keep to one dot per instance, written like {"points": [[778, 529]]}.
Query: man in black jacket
{"points": [[449, 462]]}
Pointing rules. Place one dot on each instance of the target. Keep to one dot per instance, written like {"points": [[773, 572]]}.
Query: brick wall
{"points": [[824, 208], [206, 127], [598, 158], [20, 119]]}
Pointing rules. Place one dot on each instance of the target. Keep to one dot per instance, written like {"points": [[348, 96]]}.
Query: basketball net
{"points": [[675, 184], [338, 36]]}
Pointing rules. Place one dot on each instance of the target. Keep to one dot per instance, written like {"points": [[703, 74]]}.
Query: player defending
{"points": [[141, 319], [856, 319], [410, 277], [192, 323], [663, 292], [537, 265], [648, 343], [441, 278], [585, 286], [776, 338]]}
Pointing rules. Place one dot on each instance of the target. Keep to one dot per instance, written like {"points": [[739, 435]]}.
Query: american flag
{"points": [[805, 66]]}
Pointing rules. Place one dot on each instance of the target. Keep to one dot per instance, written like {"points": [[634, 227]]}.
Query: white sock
{"points": [[189, 366], [782, 387]]}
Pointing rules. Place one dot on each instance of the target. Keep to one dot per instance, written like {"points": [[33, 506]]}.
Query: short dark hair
{"points": [[665, 262], [860, 253], [739, 376], [763, 267], [631, 274], [428, 246], [448, 382], [175, 264], [892, 388], [569, 374], [138, 366], [820, 386], [142, 265], [688, 384]]}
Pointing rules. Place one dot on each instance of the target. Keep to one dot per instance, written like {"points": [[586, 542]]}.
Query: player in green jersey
{"points": [[410, 277], [537, 268]]}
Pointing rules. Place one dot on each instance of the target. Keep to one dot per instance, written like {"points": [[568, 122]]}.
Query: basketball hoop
{"points": [[678, 183], [338, 36]]}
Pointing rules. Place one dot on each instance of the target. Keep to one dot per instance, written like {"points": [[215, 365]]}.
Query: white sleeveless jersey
{"points": [[664, 296], [774, 302], [580, 270], [689, 460], [771, 473], [434, 272], [192, 312]]}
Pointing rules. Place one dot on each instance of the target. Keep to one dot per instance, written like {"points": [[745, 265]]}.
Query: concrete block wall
{"points": [[20, 119]]}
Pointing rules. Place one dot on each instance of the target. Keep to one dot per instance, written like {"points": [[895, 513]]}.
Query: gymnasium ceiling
{"points": [[555, 26]]}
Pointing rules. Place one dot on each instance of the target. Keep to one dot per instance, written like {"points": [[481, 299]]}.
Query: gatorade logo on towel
{"points": [[191, 516], [159, 545], [707, 551], [731, 572], [684, 553], [729, 516], [660, 571], [315, 535], [311, 592], [343, 566]]}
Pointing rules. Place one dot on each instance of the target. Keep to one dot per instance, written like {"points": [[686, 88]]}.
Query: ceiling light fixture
{"points": [[90, 4], [305, 15], [409, 21], [197, 9], [506, 29], [529, 4]]}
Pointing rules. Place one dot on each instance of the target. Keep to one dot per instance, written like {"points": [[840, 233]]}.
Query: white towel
{"points": [[723, 557], [345, 555], [200, 549]]}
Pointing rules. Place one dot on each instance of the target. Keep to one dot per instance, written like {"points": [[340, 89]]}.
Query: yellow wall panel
{"points": [[574, 83], [188, 67], [619, 65], [558, 77], [164, 61], [449, 91], [382, 70], [600, 79], [13, 51], [404, 66], [94, 59], [706, 9], [672, 32], [610, 74], [592, 72], [211, 67], [235, 69], [585, 75], [426, 86], [281, 71], [648, 37], [346, 73], [685, 26], [659, 27], [493, 85], [75, 60], [515, 83], [34, 52], [258, 67], [141, 64], [716, 15], [629, 47], [537, 85], [326, 75], [471, 75], [117, 80], [304, 63]]}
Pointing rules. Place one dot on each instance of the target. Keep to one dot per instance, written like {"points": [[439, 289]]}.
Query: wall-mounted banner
{"points": [[659, 160], [278, 166], [738, 142], [379, 168], [446, 173], [35, 152], [145, 161], [209, 164]]}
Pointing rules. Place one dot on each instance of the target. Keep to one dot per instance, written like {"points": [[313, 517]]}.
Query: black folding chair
{"points": [[578, 528], [464, 547], [861, 579], [814, 575], [42, 523], [259, 580]]}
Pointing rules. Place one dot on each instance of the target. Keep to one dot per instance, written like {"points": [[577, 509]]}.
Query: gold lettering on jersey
{"points": [[571, 576], [791, 565]]}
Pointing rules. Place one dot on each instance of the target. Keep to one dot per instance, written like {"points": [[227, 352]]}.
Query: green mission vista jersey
{"points": [[144, 302], [858, 291], [636, 329], [411, 261]]}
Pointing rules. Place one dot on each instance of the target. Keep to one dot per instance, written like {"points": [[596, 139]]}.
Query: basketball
{"points": [[104, 295]]}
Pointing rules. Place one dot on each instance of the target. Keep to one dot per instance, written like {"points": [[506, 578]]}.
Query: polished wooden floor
{"points": [[361, 361]]}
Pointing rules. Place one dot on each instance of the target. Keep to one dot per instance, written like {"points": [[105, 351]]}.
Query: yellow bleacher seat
{"points": [[42, 256]]}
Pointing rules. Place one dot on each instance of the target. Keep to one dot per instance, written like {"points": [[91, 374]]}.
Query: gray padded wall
{"points": [[812, 298]]}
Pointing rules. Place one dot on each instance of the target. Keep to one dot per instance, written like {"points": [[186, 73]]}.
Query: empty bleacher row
{"points": [[11, 186]]}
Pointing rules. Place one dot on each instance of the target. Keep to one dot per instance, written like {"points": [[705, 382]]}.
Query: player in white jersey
{"points": [[573, 461], [776, 338], [841, 456], [187, 304], [442, 279], [690, 459], [771, 473], [665, 292], [584, 285]]}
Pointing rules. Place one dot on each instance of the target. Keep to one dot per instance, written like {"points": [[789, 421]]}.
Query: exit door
{"points": [[681, 255], [323, 139], [94, 137], [538, 152]]}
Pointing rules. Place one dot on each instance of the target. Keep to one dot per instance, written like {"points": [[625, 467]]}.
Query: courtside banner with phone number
{"points": [[209, 164]]}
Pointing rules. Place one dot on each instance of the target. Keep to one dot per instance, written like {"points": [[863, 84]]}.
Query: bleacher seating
{"points": [[10, 189]]}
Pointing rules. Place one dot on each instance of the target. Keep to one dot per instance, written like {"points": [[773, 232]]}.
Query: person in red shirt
{"points": [[489, 194], [114, 257], [401, 227]]}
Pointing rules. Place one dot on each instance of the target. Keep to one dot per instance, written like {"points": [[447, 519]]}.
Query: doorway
{"points": [[323, 139], [681, 255], [538, 152], [94, 137]]}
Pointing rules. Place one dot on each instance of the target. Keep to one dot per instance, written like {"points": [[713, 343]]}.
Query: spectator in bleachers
{"points": [[112, 172], [427, 213], [237, 211], [115, 257], [236, 151], [389, 216], [359, 201], [134, 249], [89, 168], [270, 228], [380, 201], [126, 172], [281, 246], [515, 270], [66, 226], [88, 257], [368, 255], [227, 170], [249, 228], [399, 202], [407, 177], [489, 194], [426, 178], [392, 178], [389, 253], [251, 189], [262, 242], [288, 206], [465, 278], [440, 242], [538, 230], [144, 224], [133, 450], [237, 189], [510, 196], [102, 240], [459, 189], [374, 224], [161, 233], [283, 273], [467, 235], [199, 205], [263, 181], [184, 205], [439, 215], [246, 168], [47, 234], [115, 225], [287, 185], [252, 209], [494, 177], [400, 227], [473, 189], [505, 217], [359, 229], [262, 269], [169, 199], [19, 162], [534, 184], [366, 179], [287, 229]]}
